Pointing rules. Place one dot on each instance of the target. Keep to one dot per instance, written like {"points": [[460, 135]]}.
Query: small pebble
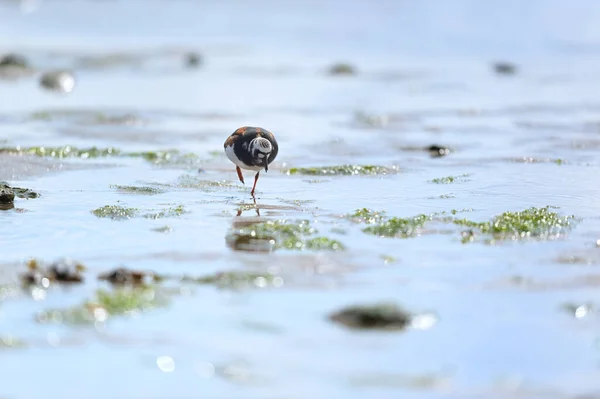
{"points": [[505, 68], [342, 69], [378, 316], [192, 60], [438, 151], [13, 60], [123, 276], [59, 80]]}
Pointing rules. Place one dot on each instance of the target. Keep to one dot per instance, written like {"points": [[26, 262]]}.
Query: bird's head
{"points": [[261, 148]]}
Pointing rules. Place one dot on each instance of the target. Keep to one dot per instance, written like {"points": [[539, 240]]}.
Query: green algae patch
{"points": [[167, 157], [167, 212], [532, 222], [387, 259], [197, 183], [323, 244], [61, 152], [238, 280], [367, 216], [380, 225], [120, 301], [450, 179], [115, 212], [106, 304], [398, 227], [342, 170], [142, 190], [282, 234]]}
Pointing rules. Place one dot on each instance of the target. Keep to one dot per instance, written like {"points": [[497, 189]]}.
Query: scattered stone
{"points": [[505, 68], [579, 310], [123, 276], [62, 271], [7, 195], [59, 80], [342, 69], [192, 60], [383, 316], [437, 151], [13, 61]]}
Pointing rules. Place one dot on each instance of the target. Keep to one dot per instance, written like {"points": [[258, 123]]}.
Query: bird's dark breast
{"points": [[241, 138]]}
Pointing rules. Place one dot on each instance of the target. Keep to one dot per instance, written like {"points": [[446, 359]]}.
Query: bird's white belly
{"points": [[231, 155]]}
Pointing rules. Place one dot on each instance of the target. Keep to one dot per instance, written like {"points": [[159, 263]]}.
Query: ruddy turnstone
{"points": [[251, 148]]}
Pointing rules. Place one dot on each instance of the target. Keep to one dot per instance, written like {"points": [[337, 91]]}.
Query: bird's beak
{"points": [[267, 163]]}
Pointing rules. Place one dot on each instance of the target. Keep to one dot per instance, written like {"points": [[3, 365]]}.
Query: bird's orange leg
{"points": [[239, 172], [255, 180]]}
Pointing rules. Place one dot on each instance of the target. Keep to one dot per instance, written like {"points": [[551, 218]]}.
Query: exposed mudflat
{"points": [[430, 227]]}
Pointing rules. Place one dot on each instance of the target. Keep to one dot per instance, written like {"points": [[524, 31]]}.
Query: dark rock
{"points": [[7, 195], [505, 68], [438, 151], [13, 61], [123, 276], [59, 80], [342, 69], [192, 60], [378, 316], [63, 271], [66, 271]]}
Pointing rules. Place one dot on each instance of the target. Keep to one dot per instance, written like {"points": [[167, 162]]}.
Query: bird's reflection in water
{"points": [[244, 207], [242, 237]]}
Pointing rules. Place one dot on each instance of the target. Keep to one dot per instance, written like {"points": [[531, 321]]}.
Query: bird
{"points": [[251, 148]]}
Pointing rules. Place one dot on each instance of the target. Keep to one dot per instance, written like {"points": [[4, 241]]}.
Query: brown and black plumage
{"points": [[251, 148]]}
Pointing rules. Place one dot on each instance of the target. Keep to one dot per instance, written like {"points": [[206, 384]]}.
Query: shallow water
{"points": [[424, 77]]}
